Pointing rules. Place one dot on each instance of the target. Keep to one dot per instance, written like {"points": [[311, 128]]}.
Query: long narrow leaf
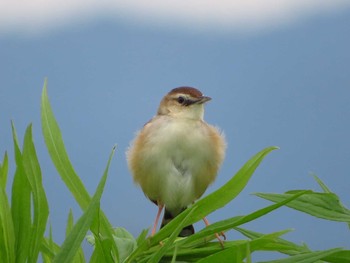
{"points": [[104, 241], [21, 205], [70, 222], [79, 257], [55, 145], [160, 253], [306, 257], [231, 255], [72, 243], [242, 250], [339, 257], [40, 205], [281, 245], [4, 167], [322, 184], [322, 205], [102, 251], [58, 153], [7, 236], [238, 220], [49, 248]]}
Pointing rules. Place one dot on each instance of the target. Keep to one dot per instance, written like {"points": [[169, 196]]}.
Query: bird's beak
{"points": [[199, 100], [203, 99]]}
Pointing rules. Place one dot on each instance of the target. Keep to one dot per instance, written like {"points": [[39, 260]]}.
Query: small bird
{"points": [[176, 155]]}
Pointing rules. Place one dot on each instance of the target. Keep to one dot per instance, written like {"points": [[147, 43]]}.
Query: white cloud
{"points": [[232, 15]]}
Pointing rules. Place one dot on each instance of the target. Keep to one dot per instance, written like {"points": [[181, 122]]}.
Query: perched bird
{"points": [[176, 155]]}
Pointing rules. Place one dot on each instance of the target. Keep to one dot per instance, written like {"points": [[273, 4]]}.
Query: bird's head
{"points": [[183, 102]]}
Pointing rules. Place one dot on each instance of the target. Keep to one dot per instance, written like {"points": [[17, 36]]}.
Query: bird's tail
{"points": [[186, 231]]}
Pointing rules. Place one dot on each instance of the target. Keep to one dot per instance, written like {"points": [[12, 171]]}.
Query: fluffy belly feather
{"points": [[177, 164]]}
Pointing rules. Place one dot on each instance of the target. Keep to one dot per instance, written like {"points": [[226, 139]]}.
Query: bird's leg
{"points": [[206, 222], [160, 208]]}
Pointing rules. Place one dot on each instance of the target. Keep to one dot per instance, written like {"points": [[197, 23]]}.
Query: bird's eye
{"points": [[181, 100]]}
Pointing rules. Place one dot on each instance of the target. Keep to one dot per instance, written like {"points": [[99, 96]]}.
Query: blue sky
{"points": [[278, 75]]}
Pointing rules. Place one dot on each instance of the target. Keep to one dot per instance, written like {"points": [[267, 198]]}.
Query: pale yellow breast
{"points": [[174, 161]]}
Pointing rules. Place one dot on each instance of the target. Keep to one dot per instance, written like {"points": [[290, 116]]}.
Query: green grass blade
{"points": [[198, 252], [55, 145], [173, 259], [70, 222], [4, 167], [322, 184], [58, 153], [281, 245], [72, 243], [7, 235], [156, 257], [40, 205], [102, 251], [321, 205], [46, 258], [79, 257], [51, 244], [238, 251], [21, 205], [103, 236], [339, 257], [231, 255], [227, 224], [306, 257], [49, 248], [142, 237]]}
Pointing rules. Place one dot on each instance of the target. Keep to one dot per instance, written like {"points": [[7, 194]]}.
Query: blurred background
{"points": [[278, 73]]}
